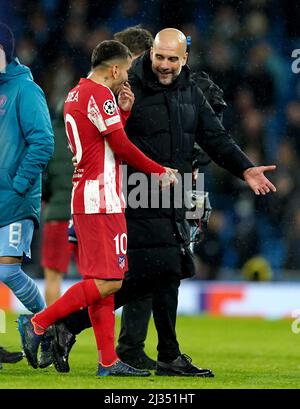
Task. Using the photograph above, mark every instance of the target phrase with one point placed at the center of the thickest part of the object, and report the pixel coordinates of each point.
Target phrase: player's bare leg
(53, 279)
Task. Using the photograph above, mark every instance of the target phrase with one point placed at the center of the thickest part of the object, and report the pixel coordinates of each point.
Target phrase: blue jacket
(26, 144)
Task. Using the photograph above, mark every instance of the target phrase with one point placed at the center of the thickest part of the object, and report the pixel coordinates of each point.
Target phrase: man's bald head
(170, 38)
(168, 55)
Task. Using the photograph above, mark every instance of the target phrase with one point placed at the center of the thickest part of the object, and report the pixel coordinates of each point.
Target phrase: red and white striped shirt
(90, 114)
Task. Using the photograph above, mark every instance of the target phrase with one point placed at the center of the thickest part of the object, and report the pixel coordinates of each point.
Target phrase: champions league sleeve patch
(109, 107)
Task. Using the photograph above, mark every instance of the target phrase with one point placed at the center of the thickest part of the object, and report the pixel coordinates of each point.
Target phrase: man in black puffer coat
(170, 113)
(165, 124)
(136, 314)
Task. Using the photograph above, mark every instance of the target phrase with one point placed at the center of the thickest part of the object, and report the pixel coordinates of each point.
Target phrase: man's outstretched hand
(257, 181)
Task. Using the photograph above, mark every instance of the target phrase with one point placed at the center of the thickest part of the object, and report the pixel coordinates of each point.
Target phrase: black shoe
(63, 340)
(119, 368)
(30, 341)
(46, 356)
(9, 357)
(181, 366)
(140, 361)
(46, 359)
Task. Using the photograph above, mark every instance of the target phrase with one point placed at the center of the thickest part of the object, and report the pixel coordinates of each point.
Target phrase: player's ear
(115, 71)
(185, 57)
(151, 53)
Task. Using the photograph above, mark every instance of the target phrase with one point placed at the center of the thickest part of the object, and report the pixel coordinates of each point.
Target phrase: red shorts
(56, 250)
(102, 245)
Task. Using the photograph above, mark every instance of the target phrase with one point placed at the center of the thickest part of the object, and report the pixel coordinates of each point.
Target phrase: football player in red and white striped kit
(94, 125)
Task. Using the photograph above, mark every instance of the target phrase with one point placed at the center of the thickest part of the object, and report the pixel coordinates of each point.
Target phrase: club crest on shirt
(109, 107)
(121, 261)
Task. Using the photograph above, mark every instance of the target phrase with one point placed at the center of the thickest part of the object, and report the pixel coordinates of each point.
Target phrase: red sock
(79, 296)
(102, 316)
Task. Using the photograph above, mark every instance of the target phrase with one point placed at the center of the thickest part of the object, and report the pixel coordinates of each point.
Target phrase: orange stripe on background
(5, 297)
(219, 294)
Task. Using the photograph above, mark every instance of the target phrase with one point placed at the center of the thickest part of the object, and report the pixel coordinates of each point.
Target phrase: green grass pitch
(243, 353)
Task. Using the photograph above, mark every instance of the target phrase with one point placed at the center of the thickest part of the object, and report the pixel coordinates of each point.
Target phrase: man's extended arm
(213, 138)
(223, 150)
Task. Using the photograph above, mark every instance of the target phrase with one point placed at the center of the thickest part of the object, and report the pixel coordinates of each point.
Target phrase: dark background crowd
(246, 47)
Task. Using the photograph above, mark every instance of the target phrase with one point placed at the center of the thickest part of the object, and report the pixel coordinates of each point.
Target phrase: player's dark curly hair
(109, 50)
(136, 38)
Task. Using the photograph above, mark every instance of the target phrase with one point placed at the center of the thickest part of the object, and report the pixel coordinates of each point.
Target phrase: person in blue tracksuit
(26, 145)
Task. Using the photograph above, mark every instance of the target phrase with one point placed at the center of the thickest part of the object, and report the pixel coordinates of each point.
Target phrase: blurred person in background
(257, 269)
(292, 260)
(220, 63)
(257, 78)
(127, 13)
(209, 251)
(293, 124)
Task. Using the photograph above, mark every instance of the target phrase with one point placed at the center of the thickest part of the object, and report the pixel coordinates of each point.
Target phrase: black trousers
(164, 304)
(164, 291)
(134, 327)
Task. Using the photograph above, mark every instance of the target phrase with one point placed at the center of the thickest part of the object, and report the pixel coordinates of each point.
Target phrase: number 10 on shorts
(121, 243)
